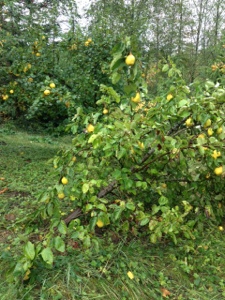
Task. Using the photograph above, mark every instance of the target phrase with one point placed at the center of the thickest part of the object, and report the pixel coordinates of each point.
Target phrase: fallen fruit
(130, 275)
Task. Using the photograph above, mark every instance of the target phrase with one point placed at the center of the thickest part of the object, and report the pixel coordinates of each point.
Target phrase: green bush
(138, 166)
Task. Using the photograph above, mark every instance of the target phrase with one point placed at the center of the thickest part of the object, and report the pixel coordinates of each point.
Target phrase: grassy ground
(192, 270)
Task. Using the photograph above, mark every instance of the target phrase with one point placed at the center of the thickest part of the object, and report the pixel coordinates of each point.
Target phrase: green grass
(192, 270)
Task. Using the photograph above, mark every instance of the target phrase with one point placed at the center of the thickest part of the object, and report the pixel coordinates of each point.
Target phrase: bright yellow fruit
(141, 145)
(99, 223)
(89, 40)
(38, 54)
(207, 123)
(130, 60)
(52, 85)
(86, 43)
(221, 228)
(130, 275)
(189, 122)
(105, 111)
(169, 97)
(90, 128)
(11, 91)
(46, 92)
(61, 195)
(210, 131)
(219, 130)
(137, 98)
(5, 97)
(216, 154)
(74, 158)
(201, 136)
(218, 171)
(30, 79)
(64, 180)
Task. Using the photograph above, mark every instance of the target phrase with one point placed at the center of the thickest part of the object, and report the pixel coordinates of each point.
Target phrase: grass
(192, 270)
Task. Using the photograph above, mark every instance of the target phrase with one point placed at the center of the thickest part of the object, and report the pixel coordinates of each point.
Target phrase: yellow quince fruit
(64, 180)
(207, 123)
(189, 122)
(169, 97)
(216, 154)
(130, 60)
(218, 171)
(137, 98)
(52, 85)
(210, 131)
(61, 195)
(46, 92)
(99, 223)
(90, 128)
(219, 130)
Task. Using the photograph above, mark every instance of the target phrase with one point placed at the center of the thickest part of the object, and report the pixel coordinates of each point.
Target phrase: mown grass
(191, 270)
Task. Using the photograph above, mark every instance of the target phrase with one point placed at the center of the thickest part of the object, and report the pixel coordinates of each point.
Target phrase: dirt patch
(17, 194)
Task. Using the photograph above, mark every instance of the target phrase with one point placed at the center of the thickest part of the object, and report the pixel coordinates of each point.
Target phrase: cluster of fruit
(88, 42)
(47, 91)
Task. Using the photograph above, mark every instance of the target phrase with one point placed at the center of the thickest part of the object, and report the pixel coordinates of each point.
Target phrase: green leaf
(144, 221)
(155, 209)
(115, 77)
(163, 200)
(29, 250)
(62, 227)
(130, 206)
(165, 68)
(182, 102)
(87, 242)
(85, 188)
(92, 138)
(59, 244)
(47, 256)
(88, 207)
(153, 238)
(92, 223)
(117, 62)
(117, 213)
(50, 209)
(131, 88)
(102, 207)
(122, 152)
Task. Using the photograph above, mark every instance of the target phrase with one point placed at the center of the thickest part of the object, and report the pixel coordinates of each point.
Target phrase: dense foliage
(146, 159)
